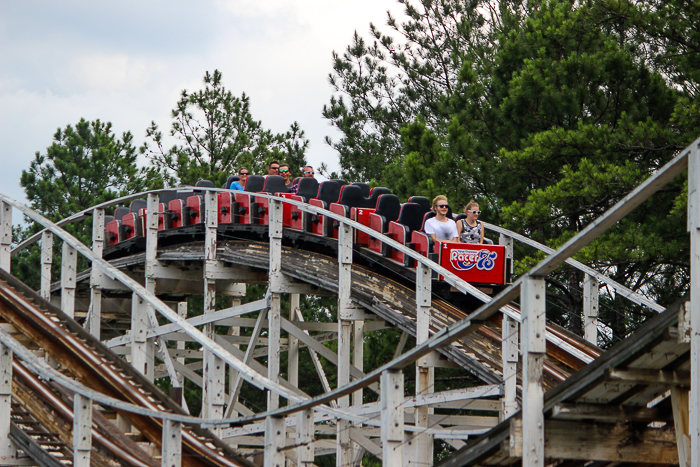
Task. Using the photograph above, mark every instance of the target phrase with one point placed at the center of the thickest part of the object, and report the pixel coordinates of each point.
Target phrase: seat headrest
(340, 182)
(376, 192)
(411, 215)
(351, 196)
(308, 188)
(328, 192)
(275, 184)
(422, 200)
(205, 184)
(255, 183)
(167, 196)
(138, 204)
(120, 212)
(388, 206)
(364, 187)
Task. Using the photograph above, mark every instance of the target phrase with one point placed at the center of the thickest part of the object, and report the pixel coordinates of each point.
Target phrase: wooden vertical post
(358, 356)
(345, 451)
(507, 241)
(274, 438)
(305, 437)
(392, 417)
(421, 446)
(82, 430)
(509, 354)
(5, 236)
(694, 229)
(590, 309)
(238, 292)
(172, 444)
(141, 357)
(69, 265)
(214, 367)
(274, 316)
(533, 341)
(7, 451)
(46, 262)
(95, 312)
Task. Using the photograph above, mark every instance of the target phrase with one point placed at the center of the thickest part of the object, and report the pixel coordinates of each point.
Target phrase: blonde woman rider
(470, 229)
(441, 227)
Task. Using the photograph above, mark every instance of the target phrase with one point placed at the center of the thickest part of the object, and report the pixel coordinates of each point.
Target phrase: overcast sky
(127, 62)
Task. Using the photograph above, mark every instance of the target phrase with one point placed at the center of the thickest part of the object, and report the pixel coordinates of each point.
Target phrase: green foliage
(382, 86)
(216, 134)
(84, 166)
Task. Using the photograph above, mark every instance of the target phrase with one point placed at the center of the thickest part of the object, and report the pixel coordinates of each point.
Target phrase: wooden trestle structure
(78, 359)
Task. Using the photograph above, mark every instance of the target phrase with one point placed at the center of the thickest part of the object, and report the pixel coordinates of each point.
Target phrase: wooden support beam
(345, 448)
(214, 367)
(141, 356)
(172, 444)
(82, 430)
(46, 262)
(681, 423)
(5, 236)
(591, 441)
(93, 323)
(274, 315)
(510, 355)
(420, 445)
(7, 451)
(644, 376)
(69, 265)
(392, 417)
(274, 438)
(305, 437)
(590, 309)
(600, 412)
(532, 297)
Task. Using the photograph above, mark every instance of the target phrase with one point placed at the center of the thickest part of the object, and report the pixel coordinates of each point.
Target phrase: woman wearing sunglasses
(284, 172)
(470, 229)
(441, 227)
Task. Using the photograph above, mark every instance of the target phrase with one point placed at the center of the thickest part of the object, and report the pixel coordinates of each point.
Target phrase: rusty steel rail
(98, 368)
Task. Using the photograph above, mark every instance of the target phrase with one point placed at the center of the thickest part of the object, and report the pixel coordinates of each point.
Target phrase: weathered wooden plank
(602, 442)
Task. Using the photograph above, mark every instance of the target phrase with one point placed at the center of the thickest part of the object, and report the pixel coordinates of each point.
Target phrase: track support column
(82, 430)
(214, 367)
(95, 312)
(69, 265)
(172, 444)
(7, 451)
(46, 262)
(590, 309)
(421, 446)
(274, 438)
(347, 314)
(532, 297)
(5, 236)
(392, 417)
(510, 355)
(274, 316)
(694, 229)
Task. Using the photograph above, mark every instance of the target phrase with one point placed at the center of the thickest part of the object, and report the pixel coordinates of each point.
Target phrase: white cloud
(128, 63)
(110, 73)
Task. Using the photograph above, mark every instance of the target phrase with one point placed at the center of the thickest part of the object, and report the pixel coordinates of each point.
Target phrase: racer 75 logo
(464, 260)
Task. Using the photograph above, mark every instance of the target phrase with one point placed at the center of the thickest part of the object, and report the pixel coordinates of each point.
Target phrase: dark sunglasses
(284, 171)
(474, 212)
(442, 206)
(242, 173)
(275, 168)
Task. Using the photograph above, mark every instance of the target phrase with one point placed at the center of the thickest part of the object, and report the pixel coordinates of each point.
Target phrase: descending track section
(77, 354)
